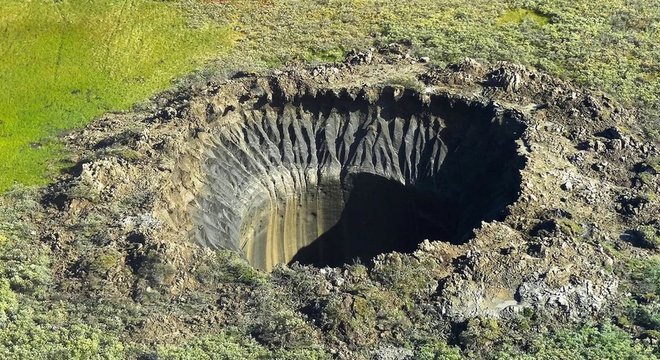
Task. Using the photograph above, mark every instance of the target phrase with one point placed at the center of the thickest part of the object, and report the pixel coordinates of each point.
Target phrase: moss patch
(518, 15)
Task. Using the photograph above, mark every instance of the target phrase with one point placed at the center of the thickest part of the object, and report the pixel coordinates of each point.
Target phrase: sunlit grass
(62, 63)
(519, 15)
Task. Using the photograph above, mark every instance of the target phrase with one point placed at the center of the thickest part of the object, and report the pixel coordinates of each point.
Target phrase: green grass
(519, 15)
(588, 342)
(63, 63)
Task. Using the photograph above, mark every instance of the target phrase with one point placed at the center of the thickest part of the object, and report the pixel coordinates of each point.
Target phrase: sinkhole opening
(372, 214)
(330, 179)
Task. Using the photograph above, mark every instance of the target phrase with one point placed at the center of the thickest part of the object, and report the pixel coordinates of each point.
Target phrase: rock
(600, 166)
(359, 58)
(508, 76)
(166, 114)
(628, 204)
(392, 353)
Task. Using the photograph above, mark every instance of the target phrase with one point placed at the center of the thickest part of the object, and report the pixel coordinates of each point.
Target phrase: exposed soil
(494, 187)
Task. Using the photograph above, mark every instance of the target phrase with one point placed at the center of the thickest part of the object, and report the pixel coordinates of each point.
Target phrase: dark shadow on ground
(380, 216)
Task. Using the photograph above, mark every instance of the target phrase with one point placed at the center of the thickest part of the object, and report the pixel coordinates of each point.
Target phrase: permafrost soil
(433, 195)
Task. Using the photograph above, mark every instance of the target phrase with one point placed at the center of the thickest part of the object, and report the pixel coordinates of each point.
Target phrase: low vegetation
(609, 45)
(65, 62)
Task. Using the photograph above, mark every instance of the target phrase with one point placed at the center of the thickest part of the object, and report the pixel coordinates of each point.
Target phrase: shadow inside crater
(381, 215)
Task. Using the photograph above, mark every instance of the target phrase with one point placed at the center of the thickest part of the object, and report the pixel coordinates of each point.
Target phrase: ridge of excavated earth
(537, 174)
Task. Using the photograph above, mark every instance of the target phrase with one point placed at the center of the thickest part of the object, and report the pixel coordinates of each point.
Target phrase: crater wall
(331, 178)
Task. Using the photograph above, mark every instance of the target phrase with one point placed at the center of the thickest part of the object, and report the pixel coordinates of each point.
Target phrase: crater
(337, 176)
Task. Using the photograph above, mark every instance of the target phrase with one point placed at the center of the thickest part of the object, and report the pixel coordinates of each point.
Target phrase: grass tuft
(518, 15)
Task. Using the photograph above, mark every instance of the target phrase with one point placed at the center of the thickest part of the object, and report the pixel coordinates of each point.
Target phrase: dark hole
(60, 201)
(136, 255)
(381, 215)
(544, 228)
(535, 250)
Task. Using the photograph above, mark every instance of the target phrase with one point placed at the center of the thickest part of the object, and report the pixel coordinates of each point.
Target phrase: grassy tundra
(65, 62)
(62, 63)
